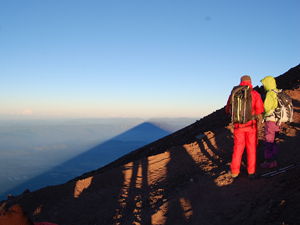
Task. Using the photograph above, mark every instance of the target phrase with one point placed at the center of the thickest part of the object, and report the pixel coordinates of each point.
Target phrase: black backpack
(285, 110)
(241, 105)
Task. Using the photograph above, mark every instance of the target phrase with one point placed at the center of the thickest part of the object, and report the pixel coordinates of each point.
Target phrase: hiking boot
(233, 175)
(269, 164)
(253, 176)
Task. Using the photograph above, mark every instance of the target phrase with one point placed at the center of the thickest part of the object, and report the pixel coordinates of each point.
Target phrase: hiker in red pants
(245, 134)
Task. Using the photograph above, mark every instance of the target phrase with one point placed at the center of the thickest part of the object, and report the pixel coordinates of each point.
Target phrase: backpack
(241, 104)
(285, 110)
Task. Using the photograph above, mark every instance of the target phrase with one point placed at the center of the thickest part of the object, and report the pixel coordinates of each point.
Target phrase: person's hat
(246, 77)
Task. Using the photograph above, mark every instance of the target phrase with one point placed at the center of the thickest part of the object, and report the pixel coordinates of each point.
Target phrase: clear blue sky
(152, 58)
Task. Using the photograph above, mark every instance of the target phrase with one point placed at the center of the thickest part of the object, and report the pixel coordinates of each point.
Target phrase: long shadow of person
(209, 145)
(179, 208)
(135, 194)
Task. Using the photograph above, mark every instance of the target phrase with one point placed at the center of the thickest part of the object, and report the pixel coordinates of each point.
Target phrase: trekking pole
(282, 170)
(276, 171)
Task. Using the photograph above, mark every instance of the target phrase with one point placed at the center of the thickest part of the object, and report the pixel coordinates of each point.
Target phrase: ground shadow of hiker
(135, 194)
(180, 208)
(217, 146)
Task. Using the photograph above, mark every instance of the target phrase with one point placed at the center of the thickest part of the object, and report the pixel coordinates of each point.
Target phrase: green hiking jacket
(270, 102)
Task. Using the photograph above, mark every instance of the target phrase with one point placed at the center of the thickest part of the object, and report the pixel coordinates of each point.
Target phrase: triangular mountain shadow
(94, 158)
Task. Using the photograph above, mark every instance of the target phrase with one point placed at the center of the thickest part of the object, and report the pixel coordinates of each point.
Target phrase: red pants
(245, 135)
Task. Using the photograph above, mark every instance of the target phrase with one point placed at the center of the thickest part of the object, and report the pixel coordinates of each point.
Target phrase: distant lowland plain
(39, 153)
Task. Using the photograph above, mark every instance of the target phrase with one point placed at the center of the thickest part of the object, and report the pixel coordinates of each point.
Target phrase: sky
(134, 58)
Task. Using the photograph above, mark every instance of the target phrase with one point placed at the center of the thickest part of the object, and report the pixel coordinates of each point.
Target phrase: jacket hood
(269, 83)
(246, 82)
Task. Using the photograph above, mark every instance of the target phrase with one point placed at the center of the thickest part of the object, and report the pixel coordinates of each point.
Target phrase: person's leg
(251, 145)
(275, 149)
(269, 140)
(238, 149)
(271, 130)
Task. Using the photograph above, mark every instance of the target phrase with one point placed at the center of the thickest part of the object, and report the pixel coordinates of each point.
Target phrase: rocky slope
(181, 179)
